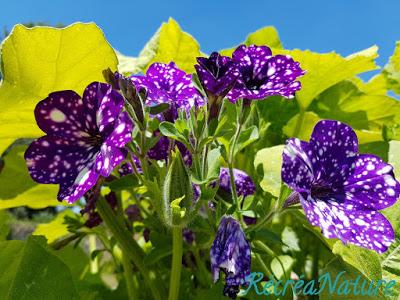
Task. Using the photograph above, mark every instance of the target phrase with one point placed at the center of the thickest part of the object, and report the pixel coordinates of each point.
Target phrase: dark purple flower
(230, 253)
(217, 74)
(165, 83)
(93, 217)
(85, 139)
(125, 169)
(244, 184)
(264, 75)
(188, 236)
(146, 234)
(340, 190)
(133, 213)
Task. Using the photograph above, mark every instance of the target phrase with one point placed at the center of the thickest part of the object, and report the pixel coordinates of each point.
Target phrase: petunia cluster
(86, 138)
(252, 73)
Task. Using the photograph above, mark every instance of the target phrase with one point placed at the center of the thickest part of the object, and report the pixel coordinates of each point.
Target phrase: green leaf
(54, 229)
(177, 185)
(270, 160)
(339, 269)
(364, 260)
(4, 225)
(392, 70)
(267, 36)
(29, 270)
(394, 157)
(18, 188)
(347, 103)
(247, 136)
(168, 129)
(170, 43)
(159, 108)
(311, 118)
(325, 70)
(282, 266)
(213, 163)
(37, 61)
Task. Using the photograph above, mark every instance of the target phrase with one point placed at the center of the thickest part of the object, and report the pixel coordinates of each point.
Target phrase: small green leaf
(270, 160)
(159, 108)
(282, 266)
(177, 189)
(54, 229)
(247, 136)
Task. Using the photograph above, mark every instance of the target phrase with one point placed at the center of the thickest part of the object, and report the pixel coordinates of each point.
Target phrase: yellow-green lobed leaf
(37, 61)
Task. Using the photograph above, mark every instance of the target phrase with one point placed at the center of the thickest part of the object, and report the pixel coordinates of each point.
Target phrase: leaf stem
(177, 252)
(128, 274)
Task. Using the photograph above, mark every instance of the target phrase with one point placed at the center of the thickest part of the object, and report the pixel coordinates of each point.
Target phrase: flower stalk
(177, 252)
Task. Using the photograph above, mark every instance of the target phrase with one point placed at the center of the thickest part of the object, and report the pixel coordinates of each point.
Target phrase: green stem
(230, 162)
(263, 266)
(127, 243)
(177, 252)
(94, 263)
(128, 274)
(204, 275)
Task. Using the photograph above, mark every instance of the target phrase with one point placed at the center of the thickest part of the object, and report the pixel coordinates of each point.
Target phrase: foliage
(82, 262)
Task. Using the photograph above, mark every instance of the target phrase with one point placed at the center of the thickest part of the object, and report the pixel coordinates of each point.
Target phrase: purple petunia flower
(133, 213)
(165, 83)
(217, 74)
(264, 75)
(85, 139)
(244, 184)
(340, 190)
(230, 253)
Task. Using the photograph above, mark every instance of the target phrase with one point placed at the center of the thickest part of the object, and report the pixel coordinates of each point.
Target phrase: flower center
(321, 191)
(95, 139)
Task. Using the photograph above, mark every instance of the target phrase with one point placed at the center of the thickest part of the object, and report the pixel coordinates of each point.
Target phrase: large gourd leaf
(18, 188)
(171, 44)
(29, 270)
(37, 61)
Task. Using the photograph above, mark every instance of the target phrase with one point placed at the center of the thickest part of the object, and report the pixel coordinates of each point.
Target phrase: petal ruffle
(52, 159)
(63, 114)
(372, 184)
(335, 146)
(297, 166)
(350, 223)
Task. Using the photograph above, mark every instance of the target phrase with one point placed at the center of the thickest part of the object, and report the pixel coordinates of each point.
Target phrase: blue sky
(345, 26)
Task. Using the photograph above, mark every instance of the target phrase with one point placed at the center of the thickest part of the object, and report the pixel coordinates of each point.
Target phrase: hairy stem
(177, 252)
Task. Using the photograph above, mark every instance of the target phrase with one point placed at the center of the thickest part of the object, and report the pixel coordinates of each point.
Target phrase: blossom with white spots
(230, 253)
(165, 83)
(244, 184)
(341, 190)
(263, 75)
(85, 139)
(217, 74)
